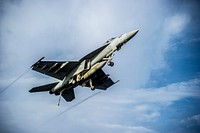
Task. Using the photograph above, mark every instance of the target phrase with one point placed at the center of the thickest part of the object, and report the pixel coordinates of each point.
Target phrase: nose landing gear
(109, 60)
(110, 63)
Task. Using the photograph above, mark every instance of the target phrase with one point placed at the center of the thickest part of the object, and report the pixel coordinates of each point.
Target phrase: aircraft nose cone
(132, 33)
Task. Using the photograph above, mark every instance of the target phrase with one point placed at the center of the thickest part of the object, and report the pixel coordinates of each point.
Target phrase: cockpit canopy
(109, 40)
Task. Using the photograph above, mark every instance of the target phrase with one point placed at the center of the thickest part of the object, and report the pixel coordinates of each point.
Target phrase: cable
(59, 100)
(68, 109)
(14, 81)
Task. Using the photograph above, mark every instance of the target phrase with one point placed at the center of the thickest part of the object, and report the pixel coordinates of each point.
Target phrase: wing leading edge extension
(56, 69)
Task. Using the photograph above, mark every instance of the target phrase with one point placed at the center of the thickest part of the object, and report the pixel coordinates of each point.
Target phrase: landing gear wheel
(111, 64)
(50, 92)
(92, 88)
(91, 85)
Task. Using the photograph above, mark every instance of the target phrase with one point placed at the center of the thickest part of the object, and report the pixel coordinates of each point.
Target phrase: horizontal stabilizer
(43, 88)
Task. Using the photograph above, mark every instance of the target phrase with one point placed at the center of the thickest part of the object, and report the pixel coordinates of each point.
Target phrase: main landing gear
(91, 85)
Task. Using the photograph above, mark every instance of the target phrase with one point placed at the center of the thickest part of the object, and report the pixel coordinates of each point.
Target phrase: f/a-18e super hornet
(86, 72)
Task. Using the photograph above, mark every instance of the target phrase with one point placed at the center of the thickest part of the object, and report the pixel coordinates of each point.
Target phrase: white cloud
(144, 105)
(191, 121)
(176, 24)
(68, 30)
(129, 129)
(122, 110)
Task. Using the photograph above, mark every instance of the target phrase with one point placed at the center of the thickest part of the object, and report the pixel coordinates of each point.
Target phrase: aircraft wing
(54, 69)
(100, 80)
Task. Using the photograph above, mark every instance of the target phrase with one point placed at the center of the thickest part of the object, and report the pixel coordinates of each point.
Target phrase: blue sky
(159, 69)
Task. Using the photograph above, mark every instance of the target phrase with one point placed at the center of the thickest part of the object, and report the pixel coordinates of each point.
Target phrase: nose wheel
(110, 63)
(109, 60)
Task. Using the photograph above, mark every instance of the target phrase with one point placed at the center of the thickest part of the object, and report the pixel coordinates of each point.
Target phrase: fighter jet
(87, 72)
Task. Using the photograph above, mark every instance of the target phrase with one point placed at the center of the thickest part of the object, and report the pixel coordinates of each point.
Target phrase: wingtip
(30, 91)
(37, 61)
(116, 81)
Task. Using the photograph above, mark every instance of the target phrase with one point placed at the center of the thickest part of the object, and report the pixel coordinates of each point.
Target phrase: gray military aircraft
(86, 72)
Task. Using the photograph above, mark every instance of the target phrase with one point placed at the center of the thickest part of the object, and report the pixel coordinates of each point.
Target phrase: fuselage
(86, 68)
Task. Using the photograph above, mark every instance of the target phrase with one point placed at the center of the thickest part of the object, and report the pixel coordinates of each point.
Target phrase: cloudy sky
(159, 69)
